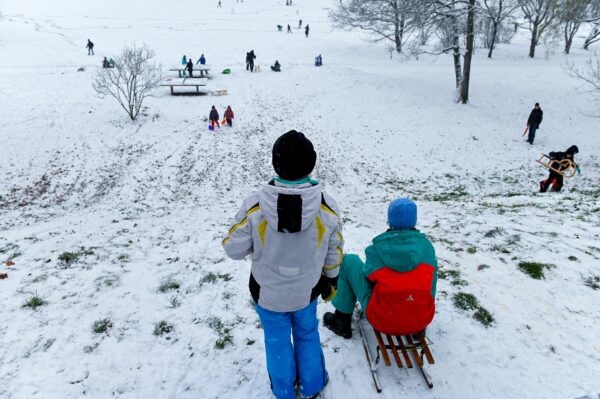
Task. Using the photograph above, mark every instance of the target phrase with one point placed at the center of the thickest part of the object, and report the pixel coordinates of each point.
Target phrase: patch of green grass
(535, 269)
(162, 327)
(456, 194)
(499, 249)
(211, 277)
(464, 301)
(123, 258)
(102, 325)
(445, 273)
(34, 302)
(225, 338)
(593, 282)
(471, 250)
(494, 232)
(483, 316)
(168, 285)
(70, 257)
(459, 283)
(573, 258)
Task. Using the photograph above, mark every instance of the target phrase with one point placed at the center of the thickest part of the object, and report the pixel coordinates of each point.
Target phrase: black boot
(338, 322)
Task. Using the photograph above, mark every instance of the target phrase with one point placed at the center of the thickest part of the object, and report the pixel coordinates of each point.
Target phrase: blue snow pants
(301, 361)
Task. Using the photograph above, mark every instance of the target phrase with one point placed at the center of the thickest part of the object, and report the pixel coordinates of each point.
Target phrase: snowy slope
(153, 199)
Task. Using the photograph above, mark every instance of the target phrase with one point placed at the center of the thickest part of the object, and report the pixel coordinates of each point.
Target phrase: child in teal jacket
(396, 285)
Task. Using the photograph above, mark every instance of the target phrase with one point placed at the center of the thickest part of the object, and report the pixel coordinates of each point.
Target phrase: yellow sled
(565, 168)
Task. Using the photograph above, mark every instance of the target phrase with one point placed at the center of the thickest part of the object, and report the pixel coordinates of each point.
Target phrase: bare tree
(497, 11)
(540, 14)
(588, 74)
(131, 80)
(572, 13)
(386, 19)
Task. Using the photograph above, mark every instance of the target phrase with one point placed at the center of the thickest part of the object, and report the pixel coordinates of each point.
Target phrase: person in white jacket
(293, 231)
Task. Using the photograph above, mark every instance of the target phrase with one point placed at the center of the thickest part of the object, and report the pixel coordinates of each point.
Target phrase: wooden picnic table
(182, 71)
(185, 82)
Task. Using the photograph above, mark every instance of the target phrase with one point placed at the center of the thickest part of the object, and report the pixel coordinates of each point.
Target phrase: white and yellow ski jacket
(294, 233)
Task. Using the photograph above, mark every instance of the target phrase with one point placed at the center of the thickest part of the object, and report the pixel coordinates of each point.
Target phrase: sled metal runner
(415, 345)
(565, 167)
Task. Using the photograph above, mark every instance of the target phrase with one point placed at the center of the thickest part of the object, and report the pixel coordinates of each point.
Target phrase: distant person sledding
(276, 67)
(214, 118)
(90, 47)
(201, 60)
(318, 60)
(250, 57)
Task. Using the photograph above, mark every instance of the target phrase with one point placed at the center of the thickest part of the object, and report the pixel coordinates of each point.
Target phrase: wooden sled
(219, 92)
(565, 168)
(415, 345)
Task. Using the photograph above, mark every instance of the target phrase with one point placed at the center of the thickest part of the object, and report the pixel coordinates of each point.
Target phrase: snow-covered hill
(143, 206)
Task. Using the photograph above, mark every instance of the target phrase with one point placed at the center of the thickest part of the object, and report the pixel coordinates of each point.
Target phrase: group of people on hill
(214, 117)
(557, 167)
(289, 28)
(189, 64)
(293, 231)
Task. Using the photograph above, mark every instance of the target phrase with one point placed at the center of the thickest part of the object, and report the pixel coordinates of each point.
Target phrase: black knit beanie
(572, 150)
(293, 156)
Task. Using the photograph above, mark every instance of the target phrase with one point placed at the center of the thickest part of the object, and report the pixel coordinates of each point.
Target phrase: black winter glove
(328, 287)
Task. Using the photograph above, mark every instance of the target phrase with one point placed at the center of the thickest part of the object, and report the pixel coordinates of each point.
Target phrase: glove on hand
(328, 287)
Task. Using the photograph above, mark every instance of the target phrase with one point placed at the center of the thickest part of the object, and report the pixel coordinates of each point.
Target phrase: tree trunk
(398, 27)
(570, 31)
(464, 90)
(494, 32)
(456, 52)
(534, 33)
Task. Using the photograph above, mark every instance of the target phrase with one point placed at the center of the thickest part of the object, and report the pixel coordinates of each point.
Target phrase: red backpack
(401, 302)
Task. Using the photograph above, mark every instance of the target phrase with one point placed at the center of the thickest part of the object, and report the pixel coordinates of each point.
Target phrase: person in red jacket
(229, 116)
(396, 285)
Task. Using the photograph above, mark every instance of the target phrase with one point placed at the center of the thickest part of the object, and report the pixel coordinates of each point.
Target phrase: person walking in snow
(400, 263)
(289, 30)
(219, 5)
(250, 57)
(190, 67)
(184, 61)
(292, 229)
(279, 28)
(306, 29)
(229, 116)
(533, 122)
(214, 118)
(300, 24)
(105, 63)
(201, 60)
(90, 47)
(554, 178)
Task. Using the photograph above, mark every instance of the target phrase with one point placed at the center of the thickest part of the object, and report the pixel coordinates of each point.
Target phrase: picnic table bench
(182, 71)
(185, 82)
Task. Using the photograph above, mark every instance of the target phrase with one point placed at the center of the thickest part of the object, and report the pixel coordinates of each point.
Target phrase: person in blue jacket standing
(201, 60)
(184, 61)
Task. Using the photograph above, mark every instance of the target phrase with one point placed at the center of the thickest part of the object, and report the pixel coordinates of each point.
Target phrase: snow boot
(338, 322)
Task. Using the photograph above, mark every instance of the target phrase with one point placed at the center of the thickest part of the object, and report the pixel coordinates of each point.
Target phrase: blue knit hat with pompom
(402, 214)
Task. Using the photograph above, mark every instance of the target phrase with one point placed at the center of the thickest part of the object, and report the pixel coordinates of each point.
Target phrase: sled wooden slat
(414, 351)
(394, 351)
(386, 357)
(425, 347)
(404, 352)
